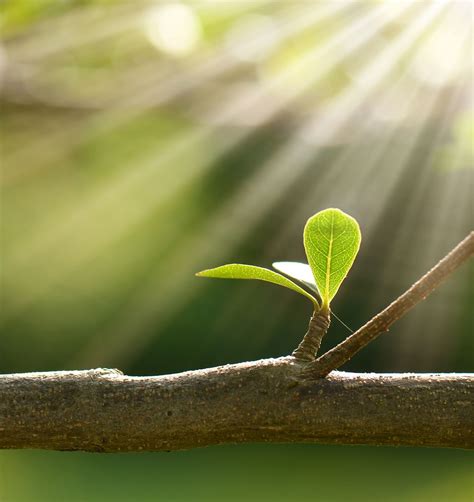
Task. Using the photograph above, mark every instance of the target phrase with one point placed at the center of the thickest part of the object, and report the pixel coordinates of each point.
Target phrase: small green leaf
(331, 240)
(303, 273)
(238, 271)
(300, 271)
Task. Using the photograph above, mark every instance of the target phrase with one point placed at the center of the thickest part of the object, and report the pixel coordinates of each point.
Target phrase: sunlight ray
(256, 196)
(415, 202)
(349, 102)
(428, 339)
(163, 89)
(453, 194)
(93, 24)
(345, 160)
(112, 191)
(373, 77)
(291, 24)
(345, 43)
(248, 208)
(402, 251)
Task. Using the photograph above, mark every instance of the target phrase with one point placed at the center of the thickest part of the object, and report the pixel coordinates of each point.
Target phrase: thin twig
(379, 324)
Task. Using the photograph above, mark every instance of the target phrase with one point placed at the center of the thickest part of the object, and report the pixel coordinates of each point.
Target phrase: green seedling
(331, 241)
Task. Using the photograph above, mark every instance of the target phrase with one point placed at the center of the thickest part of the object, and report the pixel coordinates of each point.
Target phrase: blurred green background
(144, 141)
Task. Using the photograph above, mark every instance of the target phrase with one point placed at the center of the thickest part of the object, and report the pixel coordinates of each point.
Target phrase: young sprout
(331, 241)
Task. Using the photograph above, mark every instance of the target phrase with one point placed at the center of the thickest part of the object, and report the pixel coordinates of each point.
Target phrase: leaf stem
(379, 324)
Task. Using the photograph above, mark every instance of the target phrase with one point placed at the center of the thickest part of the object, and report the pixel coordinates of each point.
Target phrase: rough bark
(265, 401)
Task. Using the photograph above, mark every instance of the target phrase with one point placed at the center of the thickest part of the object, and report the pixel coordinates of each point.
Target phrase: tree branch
(379, 324)
(272, 400)
(266, 401)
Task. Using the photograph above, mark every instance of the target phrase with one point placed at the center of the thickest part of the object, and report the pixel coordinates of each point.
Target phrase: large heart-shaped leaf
(239, 271)
(331, 240)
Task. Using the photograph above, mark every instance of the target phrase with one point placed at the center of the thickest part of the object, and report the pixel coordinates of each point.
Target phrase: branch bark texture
(265, 401)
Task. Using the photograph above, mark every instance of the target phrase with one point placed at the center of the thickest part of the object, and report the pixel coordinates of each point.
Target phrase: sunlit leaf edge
(242, 271)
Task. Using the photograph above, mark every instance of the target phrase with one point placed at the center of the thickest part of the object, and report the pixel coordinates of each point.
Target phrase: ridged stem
(317, 328)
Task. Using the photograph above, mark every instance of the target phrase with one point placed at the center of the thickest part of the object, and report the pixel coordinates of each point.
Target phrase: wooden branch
(379, 324)
(272, 400)
(265, 401)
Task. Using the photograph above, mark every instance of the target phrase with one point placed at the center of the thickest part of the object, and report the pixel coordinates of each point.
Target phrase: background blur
(144, 141)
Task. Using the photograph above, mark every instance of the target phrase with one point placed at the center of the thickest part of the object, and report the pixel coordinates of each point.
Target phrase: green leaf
(238, 271)
(300, 271)
(331, 240)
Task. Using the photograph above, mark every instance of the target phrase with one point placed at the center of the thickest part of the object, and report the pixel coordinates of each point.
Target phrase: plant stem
(317, 328)
(379, 324)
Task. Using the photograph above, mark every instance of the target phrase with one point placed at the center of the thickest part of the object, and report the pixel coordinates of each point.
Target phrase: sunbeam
(133, 158)
(363, 179)
(281, 170)
(169, 183)
(149, 88)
